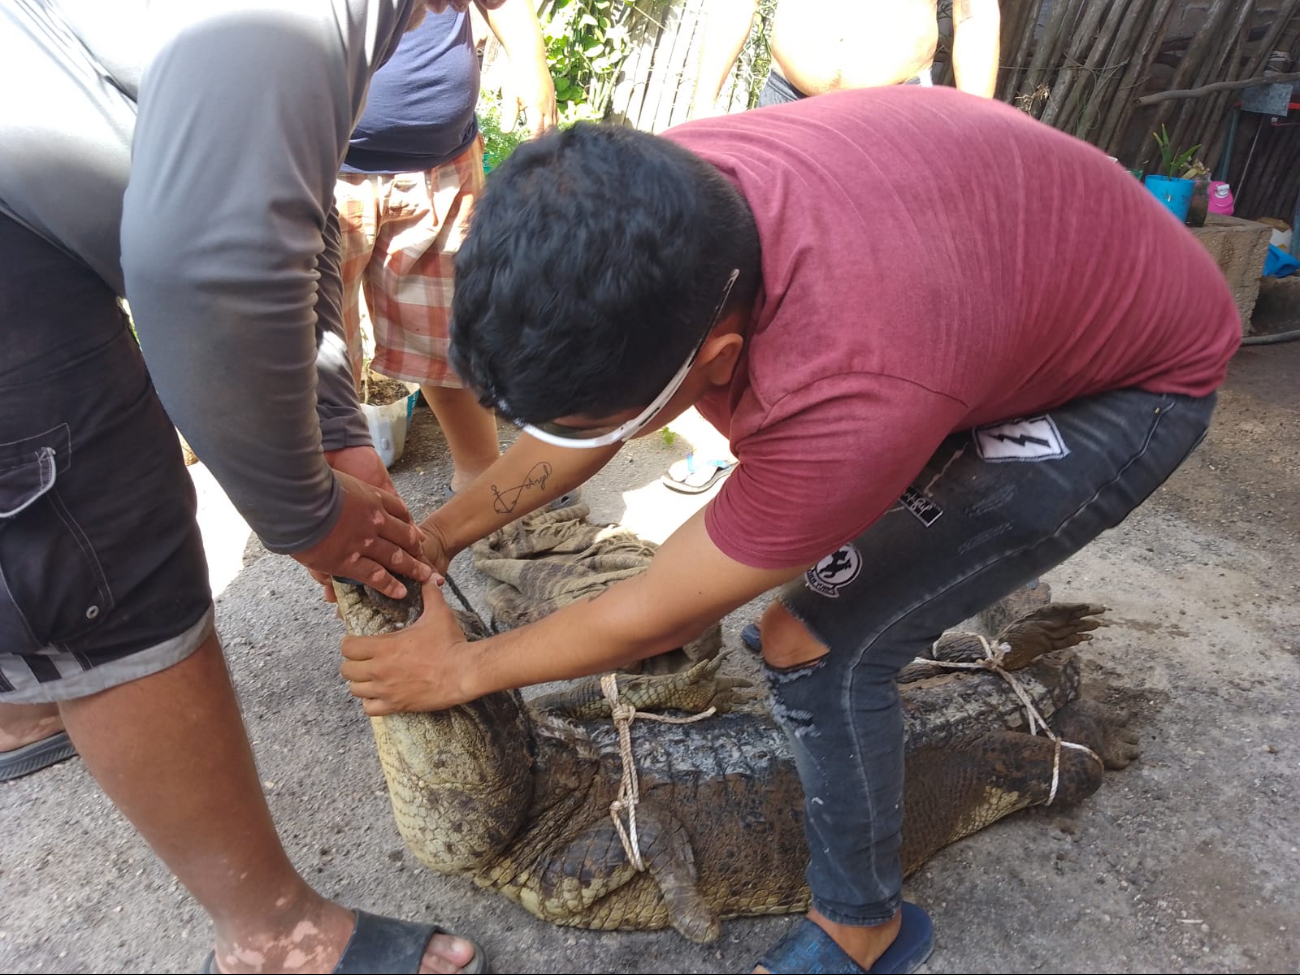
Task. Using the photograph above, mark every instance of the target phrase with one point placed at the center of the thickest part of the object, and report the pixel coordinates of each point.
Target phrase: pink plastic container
(1220, 198)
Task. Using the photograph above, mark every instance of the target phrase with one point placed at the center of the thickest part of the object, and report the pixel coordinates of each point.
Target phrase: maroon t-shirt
(932, 261)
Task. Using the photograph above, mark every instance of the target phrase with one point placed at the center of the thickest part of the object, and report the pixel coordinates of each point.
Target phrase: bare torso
(824, 45)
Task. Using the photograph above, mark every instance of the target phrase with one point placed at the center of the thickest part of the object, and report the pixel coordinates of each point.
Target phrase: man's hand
(363, 463)
(373, 538)
(424, 667)
(531, 91)
(528, 82)
(429, 665)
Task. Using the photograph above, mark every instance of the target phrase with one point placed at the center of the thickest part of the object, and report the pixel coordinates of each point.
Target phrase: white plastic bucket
(388, 427)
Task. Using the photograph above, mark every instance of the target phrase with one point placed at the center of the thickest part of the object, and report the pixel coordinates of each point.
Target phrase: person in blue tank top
(412, 172)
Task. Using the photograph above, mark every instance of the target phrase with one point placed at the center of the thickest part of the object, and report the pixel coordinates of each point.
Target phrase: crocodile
(516, 795)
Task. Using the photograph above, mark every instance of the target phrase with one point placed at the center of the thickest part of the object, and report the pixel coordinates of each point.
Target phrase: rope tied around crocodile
(995, 661)
(629, 788)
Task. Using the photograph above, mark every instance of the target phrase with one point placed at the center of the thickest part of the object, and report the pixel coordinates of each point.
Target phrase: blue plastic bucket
(1175, 194)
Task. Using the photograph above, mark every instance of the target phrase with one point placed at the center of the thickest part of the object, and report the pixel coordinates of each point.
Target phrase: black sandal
(384, 944)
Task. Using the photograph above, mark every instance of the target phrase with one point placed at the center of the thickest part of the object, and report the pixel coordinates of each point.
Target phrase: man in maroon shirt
(949, 345)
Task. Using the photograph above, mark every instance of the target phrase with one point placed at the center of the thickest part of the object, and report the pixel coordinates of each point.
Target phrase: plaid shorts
(400, 234)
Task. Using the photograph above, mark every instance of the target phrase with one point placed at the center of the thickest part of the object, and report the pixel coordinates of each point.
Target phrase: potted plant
(1199, 208)
(1170, 185)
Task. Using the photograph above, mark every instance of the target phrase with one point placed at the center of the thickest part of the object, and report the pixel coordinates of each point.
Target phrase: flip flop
(36, 756)
(566, 500)
(383, 944)
(810, 950)
(688, 477)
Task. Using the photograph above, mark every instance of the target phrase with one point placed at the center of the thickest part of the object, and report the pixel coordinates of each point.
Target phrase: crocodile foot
(696, 689)
(1055, 626)
(693, 690)
(1105, 731)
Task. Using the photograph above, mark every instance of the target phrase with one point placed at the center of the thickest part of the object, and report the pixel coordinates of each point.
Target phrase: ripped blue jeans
(992, 509)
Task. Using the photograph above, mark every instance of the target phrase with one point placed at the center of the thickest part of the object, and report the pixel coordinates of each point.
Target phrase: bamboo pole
(1198, 113)
(1016, 65)
(1285, 23)
(1015, 14)
(686, 89)
(1091, 75)
(651, 16)
(1277, 196)
(1258, 179)
(1122, 52)
(669, 36)
(1150, 37)
(1290, 40)
(1219, 63)
(1085, 37)
(1047, 51)
(1270, 190)
(626, 85)
(675, 71)
(1282, 196)
(1162, 96)
(1189, 64)
(1285, 13)
(1285, 16)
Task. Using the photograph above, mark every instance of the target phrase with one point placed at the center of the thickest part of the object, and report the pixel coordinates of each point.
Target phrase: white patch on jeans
(1033, 438)
(834, 572)
(923, 509)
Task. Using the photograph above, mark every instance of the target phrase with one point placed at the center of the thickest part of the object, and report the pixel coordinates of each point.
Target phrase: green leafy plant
(586, 43)
(497, 145)
(1173, 164)
(669, 436)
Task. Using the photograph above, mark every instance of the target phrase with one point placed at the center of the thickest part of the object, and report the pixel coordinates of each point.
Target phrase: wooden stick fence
(1087, 67)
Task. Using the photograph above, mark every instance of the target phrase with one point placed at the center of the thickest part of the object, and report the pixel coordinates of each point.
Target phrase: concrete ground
(1186, 862)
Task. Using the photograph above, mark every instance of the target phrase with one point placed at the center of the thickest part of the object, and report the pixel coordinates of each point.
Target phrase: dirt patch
(379, 390)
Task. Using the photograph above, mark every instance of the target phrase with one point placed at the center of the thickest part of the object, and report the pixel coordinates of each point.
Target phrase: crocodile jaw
(461, 780)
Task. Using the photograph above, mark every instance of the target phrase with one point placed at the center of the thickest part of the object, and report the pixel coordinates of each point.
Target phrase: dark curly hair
(594, 260)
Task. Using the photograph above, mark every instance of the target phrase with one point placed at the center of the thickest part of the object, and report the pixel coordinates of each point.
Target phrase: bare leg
(471, 432)
(171, 752)
(22, 724)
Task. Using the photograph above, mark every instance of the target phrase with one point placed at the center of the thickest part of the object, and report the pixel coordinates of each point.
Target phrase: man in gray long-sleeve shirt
(183, 155)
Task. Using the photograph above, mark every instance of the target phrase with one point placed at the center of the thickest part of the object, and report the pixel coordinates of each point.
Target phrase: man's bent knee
(786, 641)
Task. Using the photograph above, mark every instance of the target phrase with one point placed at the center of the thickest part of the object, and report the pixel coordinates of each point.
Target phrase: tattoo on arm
(962, 10)
(504, 502)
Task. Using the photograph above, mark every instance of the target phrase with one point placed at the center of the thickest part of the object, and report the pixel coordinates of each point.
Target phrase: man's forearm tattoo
(504, 502)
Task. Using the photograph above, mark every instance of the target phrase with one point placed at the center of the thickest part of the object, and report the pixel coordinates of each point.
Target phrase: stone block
(1239, 247)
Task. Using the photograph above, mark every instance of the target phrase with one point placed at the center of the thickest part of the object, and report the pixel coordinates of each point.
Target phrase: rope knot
(995, 657)
(629, 787)
(621, 711)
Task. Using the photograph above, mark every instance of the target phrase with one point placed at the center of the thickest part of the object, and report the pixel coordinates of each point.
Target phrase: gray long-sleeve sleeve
(236, 115)
(241, 124)
(341, 422)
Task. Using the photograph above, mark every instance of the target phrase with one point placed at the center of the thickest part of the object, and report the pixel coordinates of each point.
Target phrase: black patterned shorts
(102, 574)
